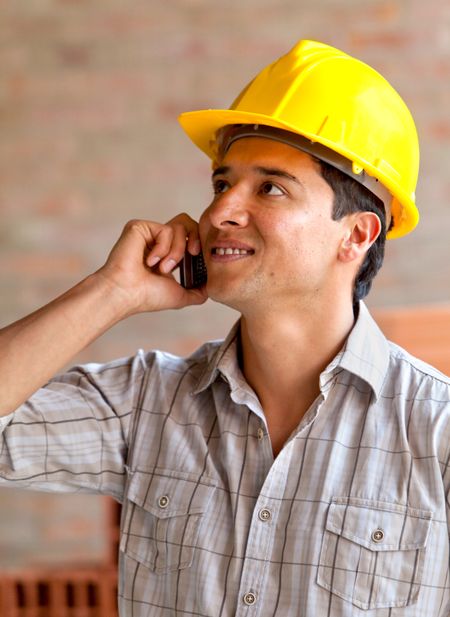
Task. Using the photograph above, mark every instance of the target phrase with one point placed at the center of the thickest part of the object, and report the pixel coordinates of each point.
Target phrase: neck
(283, 353)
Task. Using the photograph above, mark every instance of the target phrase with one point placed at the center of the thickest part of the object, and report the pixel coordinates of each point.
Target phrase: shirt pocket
(165, 510)
(373, 552)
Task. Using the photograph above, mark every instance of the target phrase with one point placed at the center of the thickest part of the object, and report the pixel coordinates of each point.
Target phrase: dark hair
(350, 196)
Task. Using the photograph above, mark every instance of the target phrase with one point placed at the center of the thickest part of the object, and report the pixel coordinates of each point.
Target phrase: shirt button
(250, 598)
(378, 535)
(163, 501)
(260, 434)
(265, 515)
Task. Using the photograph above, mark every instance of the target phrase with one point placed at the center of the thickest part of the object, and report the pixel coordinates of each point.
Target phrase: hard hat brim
(201, 127)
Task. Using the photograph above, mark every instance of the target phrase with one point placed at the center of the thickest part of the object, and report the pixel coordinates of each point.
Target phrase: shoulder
(404, 364)
(418, 393)
(192, 367)
(127, 375)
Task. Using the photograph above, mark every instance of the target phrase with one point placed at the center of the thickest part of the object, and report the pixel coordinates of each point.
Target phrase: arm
(135, 278)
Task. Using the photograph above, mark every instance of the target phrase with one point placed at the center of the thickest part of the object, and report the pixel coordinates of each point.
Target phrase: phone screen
(192, 271)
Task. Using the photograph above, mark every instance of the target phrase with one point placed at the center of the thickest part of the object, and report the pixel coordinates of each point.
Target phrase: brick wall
(89, 94)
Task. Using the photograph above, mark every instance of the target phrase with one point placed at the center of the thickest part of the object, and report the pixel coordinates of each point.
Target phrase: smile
(231, 251)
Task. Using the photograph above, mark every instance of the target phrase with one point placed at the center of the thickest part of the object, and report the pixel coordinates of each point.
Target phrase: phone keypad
(199, 271)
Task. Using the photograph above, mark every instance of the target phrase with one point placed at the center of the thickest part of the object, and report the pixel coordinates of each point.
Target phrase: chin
(224, 293)
(239, 298)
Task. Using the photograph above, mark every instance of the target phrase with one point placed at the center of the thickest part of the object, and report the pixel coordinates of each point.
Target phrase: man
(301, 467)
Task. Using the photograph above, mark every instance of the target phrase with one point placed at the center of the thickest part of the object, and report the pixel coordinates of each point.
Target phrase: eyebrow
(264, 171)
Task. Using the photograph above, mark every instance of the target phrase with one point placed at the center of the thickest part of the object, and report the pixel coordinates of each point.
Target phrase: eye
(220, 186)
(269, 188)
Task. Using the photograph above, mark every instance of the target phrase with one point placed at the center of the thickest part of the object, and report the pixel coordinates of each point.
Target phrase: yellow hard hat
(336, 101)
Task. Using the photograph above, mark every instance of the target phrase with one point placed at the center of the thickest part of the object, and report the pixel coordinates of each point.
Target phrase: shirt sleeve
(72, 434)
(447, 494)
(444, 458)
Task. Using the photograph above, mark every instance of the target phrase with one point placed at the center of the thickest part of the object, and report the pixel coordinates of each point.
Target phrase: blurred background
(89, 97)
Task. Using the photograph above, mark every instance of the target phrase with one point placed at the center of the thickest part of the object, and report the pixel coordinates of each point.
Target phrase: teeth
(230, 251)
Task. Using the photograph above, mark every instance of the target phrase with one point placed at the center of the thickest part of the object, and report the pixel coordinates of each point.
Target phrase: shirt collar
(365, 354)
(224, 361)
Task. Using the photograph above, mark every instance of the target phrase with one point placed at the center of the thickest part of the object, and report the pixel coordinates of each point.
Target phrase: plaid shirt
(351, 518)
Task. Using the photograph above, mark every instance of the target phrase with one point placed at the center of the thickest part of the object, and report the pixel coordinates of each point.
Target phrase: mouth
(219, 250)
(229, 253)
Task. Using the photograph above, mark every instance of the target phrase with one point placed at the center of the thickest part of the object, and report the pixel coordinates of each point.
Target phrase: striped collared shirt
(351, 518)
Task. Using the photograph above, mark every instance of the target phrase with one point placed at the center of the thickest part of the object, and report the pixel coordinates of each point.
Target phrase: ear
(362, 230)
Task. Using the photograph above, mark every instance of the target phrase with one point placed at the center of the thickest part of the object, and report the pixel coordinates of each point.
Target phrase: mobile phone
(192, 271)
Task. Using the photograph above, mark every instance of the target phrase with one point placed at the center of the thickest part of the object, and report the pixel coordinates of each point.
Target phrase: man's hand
(141, 263)
(135, 278)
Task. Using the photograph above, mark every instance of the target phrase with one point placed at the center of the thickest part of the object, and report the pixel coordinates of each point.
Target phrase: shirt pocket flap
(379, 526)
(167, 493)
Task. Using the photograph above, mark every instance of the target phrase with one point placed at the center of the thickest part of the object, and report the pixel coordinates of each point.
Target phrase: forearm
(33, 349)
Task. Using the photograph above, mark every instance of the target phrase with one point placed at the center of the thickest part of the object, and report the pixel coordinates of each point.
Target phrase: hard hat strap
(227, 135)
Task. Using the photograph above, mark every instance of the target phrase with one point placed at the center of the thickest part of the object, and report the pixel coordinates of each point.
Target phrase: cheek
(295, 237)
(308, 240)
(203, 226)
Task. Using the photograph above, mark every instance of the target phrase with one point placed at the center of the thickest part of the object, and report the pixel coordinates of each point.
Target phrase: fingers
(193, 244)
(141, 262)
(177, 248)
(191, 234)
(172, 241)
(160, 246)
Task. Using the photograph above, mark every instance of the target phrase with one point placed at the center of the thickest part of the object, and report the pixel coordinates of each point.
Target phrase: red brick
(387, 40)
(41, 265)
(386, 12)
(440, 130)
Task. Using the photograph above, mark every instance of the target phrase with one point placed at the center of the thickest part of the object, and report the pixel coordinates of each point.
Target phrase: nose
(228, 210)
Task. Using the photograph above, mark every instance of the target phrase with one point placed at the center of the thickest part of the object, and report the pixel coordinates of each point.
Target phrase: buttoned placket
(262, 534)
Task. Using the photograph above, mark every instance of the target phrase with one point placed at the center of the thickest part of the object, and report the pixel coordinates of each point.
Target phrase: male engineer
(301, 466)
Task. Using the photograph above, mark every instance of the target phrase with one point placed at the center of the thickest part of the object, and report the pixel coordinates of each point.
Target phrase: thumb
(198, 295)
